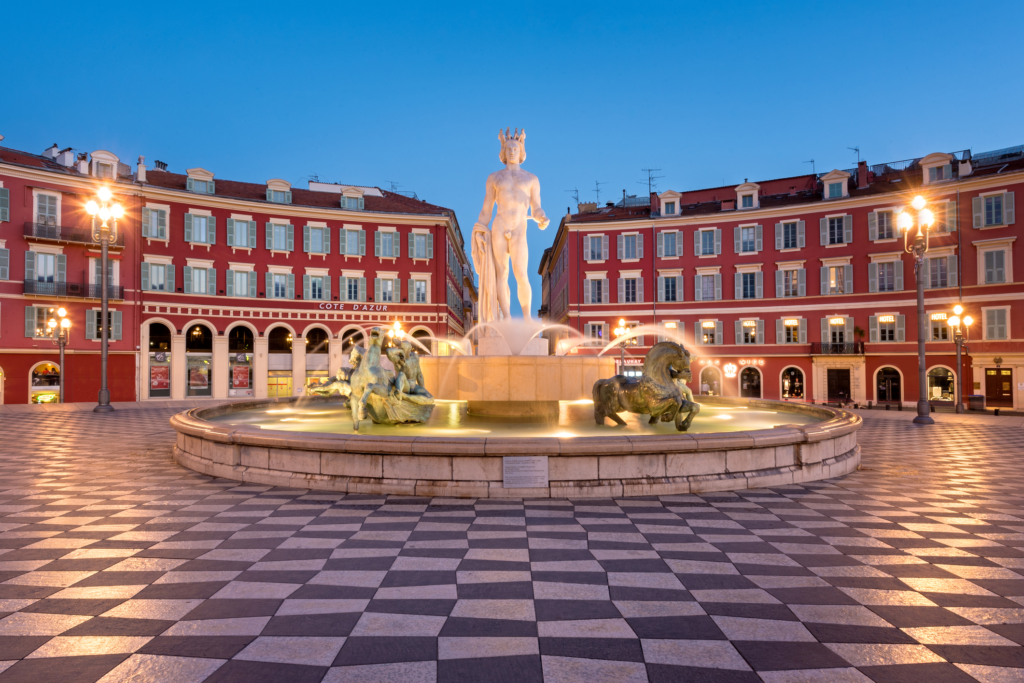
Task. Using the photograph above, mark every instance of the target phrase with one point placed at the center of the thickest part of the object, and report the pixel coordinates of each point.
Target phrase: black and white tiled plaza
(118, 565)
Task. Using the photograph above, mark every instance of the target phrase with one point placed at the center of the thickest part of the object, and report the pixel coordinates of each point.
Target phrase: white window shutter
(738, 286)
(978, 211)
(718, 286)
(779, 331)
(824, 280)
(739, 332)
(778, 236)
(847, 229)
(872, 226)
(229, 287)
(719, 338)
(718, 240)
(759, 285)
(1008, 208)
(661, 245)
(873, 328)
(698, 293)
(951, 265)
(376, 243)
(759, 238)
(823, 224)
(899, 275)
(639, 290)
(848, 330)
(760, 332)
(622, 290)
(696, 243)
(901, 328)
(231, 232)
(606, 293)
(951, 216)
(824, 331)
(640, 245)
(737, 244)
(872, 276)
(803, 331)
(661, 287)
(778, 284)
(305, 287)
(848, 271)
(802, 282)
(800, 241)
(618, 241)
(679, 289)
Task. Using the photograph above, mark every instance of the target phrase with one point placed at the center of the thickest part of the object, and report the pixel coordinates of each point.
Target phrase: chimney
(83, 163)
(862, 175)
(141, 175)
(587, 207)
(66, 158)
(160, 165)
(728, 205)
(52, 152)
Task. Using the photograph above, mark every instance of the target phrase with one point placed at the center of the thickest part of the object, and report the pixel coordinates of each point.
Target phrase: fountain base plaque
(524, 472)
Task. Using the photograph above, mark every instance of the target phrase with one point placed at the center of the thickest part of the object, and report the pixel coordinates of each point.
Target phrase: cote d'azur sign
(355, 307)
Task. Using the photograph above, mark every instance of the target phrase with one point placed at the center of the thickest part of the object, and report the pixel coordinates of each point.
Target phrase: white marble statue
(515, 192)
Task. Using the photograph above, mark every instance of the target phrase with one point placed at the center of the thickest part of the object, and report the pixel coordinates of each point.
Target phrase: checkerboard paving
(118, 565)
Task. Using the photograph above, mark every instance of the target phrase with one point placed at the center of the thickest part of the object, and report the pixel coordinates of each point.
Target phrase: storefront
(889, 385)
(159, 361)
(750, 382)
(44, 386)
(199, 361)
(792, 383)
(317, 343)
(279, 365)
(240, 362)
(941, 386)
(711, 381)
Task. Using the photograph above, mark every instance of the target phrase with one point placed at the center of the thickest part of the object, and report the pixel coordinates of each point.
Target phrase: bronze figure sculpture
(657, 393)
(384, 397)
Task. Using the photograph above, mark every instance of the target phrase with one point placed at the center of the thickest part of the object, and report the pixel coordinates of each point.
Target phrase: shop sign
(938, 316)
(837, 321)
(709, 361)
(751, 361)
(239, 376)
(159, 377)
(730, 370)
(355, 307)
(886, 318)
(633, 361)
(160, 356)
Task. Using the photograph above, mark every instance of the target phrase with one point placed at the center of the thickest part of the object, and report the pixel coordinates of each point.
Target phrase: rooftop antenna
(394, 186)
(811, 162)
(652, 180)
(857, 150)
(575, 195)
(597, 191)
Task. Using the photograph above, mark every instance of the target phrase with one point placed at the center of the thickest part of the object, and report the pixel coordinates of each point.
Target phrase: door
(889, 390)
(998, 388)
(750, 383)
(838, 384)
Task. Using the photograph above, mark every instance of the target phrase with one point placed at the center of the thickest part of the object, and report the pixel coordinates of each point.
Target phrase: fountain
(511, 421)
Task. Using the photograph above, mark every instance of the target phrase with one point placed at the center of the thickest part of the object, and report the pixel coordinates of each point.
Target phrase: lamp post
(396, 334)
(59, 333)
(619, 332)
(961, 329)
(918, 248)
(105, 235)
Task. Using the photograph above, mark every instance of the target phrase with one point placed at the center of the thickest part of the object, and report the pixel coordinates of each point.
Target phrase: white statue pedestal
(497, 346)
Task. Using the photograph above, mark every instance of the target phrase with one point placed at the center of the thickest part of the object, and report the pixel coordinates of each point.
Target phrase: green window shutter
(953, 277)
(327, 240)
(718, 240)
(376, 243)
(188, 227)
(412, 245)
(145, 276)
(823, 226)
(30, 321)
(305, 239)
(146, 218)
(290, 233)
(229, 276)
(211, 231)
(291, 286)
(210, 187)
(398, 290)
(342, 241)
(30, 265)
(211, 281)
(899, 276)
(411, 291)
(190, 185)
(901, 328)
(5, 204)
(362, 289)
(186, 275)
(270, 194)
(1008, 208)
(62, 268)
(305, 287)
(169, 276)
(231, 232)
(362, 203)
(115, 323)
(288, 197)
(5, 264)
(872, 277)
(342, 288)
(362, 243)
(396, 243)
(251, 280)
(327, 287)
(978, 211)
(161, 224)
(430, 245)
(268, 279)
(90, 324)
(269, 227)
(252, 235)
(376, 289)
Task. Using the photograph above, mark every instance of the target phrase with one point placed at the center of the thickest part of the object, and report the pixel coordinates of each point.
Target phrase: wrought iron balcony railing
(65, 233)
(829, 349)
(81, 290)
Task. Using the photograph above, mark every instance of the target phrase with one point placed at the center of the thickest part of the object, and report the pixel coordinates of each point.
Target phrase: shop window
(45, 386)
(711, 382)
(750, 383)
(889, 386)
(941, 385)
(792, 383)
(159, 361)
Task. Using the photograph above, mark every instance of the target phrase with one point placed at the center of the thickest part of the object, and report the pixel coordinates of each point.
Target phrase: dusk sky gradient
(710, 93)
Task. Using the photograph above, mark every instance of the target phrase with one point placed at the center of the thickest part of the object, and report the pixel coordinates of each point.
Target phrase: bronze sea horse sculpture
(656, 393)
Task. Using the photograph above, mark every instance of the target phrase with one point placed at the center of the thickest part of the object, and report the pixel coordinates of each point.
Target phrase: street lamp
(396, 334)
(105, 235)
(961, 329)
(59, 333)
(619, 332)
(918, 248)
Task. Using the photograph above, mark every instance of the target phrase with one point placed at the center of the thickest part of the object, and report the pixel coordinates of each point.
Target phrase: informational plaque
(524, 472)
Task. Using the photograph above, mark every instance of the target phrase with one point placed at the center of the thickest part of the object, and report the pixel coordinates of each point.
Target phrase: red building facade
(219, 288)
(799, 288)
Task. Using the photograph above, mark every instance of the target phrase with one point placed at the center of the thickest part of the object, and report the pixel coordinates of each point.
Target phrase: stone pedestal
(497, 346)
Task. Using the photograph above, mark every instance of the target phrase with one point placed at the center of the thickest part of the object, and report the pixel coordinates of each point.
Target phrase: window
(748, 285)
(280, 283)
(748, 239)
(105, 171)
(669, 244)
(279, 196)
(46, 209)
(317, 243)
(707, 333)
(316, 287)
(789, 236)
(887, 328)
(939, 173)
(157, 277)
(835, 230)
(595, 248)
(46, 267)
(199, 228)
(419, 243)
(353, 289)
(836, 279)
(241, 234)
(199, 280)
(200, 186)
(887, 276)
(838, 334)
(707, 287)
(995, 267)
(707, 242)
(36, 318)
(669, 283)
(994, 210)
(791, 283)
(278, 240)
(995, 323)
(596, 291)
(749, 335)
(154, 223)
(596, 331)
(747, 201)
(352, 245)
(940, 330)
(937, 272)
(835, 190)
(420, 291)
(885, 225)
(629, 247)
(387, 244)
(629, 290)
(792, 331)
(670, 208)
(387, 290)
(94, 330)
(352, 203)
(242, 283)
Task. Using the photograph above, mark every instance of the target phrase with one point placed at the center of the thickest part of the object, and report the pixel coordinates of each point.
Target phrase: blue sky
(710, 93)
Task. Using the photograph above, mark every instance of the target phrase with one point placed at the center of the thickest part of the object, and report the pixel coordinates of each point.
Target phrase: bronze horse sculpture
(656, 393)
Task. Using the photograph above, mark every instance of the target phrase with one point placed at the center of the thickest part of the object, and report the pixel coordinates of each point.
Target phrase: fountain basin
(616, 464)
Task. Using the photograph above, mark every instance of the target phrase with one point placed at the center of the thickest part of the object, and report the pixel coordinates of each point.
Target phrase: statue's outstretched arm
(537, 212)
(485, 214)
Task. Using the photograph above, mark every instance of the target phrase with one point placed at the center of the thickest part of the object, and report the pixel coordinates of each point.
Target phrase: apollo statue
(516, 192)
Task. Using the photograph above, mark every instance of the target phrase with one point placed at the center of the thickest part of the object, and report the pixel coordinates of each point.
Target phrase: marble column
(220, 367)
(260, 367)
(179, 367)
(298, 365)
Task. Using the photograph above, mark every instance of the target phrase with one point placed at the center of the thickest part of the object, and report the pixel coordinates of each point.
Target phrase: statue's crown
(517, 136)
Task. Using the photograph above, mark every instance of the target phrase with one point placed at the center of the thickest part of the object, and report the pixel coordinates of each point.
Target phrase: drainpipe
(654, 271)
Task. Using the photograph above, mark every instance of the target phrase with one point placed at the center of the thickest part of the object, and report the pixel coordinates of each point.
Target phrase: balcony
(64, 233)
(78, 290)
(848, 349)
